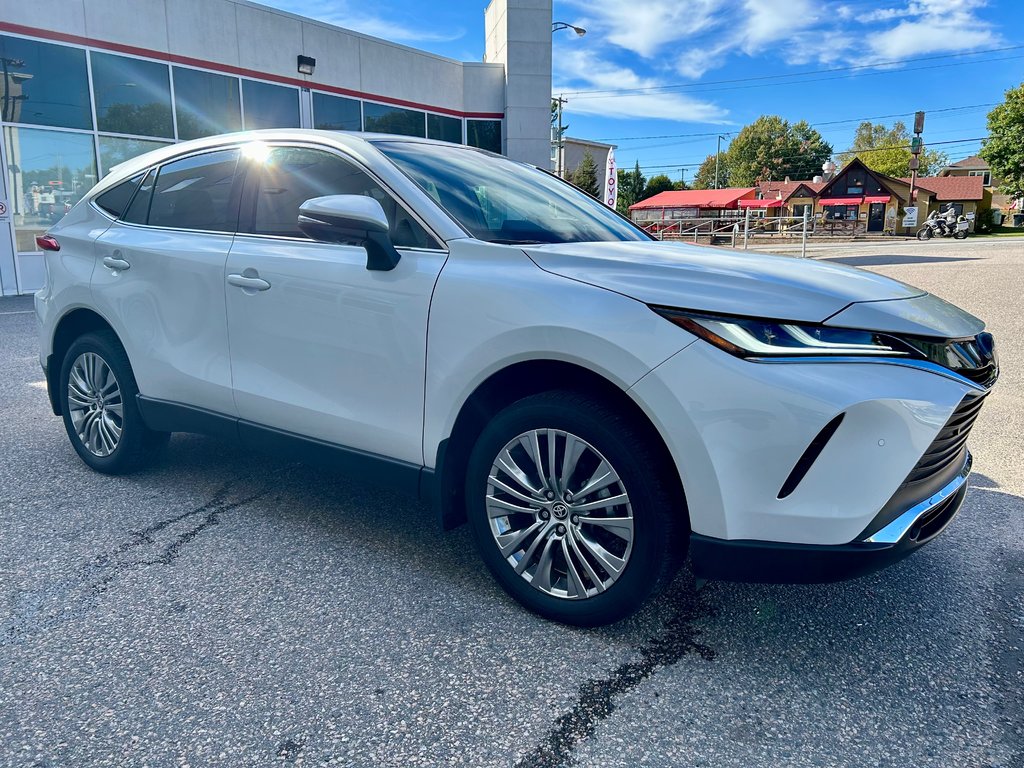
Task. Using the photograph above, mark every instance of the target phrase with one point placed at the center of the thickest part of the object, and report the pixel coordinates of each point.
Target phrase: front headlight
(757, 337)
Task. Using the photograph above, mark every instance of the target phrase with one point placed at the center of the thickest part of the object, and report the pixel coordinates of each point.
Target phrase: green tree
(887, 150)
(631, 188)
(705, 176)
(656, 185)
(770, 148)
(585, 175)
(1004, 149)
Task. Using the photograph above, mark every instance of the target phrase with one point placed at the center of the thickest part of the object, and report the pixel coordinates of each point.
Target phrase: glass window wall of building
(485, 134)
(269, 106)
(444, 128)
(205, 103)
(132, 96)
(43, 84)
(383, 118)
(336, 113)
(48, 172)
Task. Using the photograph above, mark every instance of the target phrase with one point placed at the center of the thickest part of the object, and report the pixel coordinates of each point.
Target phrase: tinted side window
(138, 210)
(116, 199)
(195, 193)
(292, 175)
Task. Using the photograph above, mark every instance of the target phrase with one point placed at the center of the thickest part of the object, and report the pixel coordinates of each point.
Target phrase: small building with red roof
(675, 205)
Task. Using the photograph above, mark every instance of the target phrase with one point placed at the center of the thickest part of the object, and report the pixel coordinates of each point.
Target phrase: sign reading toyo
(611, 181)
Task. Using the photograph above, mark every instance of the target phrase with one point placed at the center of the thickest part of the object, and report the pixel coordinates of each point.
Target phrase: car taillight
(47, 242)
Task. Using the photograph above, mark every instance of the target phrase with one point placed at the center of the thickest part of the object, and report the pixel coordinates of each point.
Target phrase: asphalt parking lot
(228, 609)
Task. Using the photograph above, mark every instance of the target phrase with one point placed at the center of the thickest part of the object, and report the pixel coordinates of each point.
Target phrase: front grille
(950, 443)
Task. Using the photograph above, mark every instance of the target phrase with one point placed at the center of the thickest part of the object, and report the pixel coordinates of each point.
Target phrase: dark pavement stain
(596, 698)
(161, 543)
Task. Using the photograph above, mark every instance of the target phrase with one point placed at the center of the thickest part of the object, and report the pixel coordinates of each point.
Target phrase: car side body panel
(493, 308)
(168, 310)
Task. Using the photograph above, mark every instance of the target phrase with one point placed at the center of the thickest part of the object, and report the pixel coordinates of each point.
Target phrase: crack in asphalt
(51, 605)
(595, 700)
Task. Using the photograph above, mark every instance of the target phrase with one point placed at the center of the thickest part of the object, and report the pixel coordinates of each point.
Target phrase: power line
(851, 68)
(851, 150)
(812, 125)
(816, 79)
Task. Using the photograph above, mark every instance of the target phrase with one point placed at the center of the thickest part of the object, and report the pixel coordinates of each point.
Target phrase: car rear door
(159, 279)
(324, 348)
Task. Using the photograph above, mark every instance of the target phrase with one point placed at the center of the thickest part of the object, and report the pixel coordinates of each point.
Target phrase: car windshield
(501, 201)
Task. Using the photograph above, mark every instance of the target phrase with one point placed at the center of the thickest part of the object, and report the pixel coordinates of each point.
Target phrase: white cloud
(697, 37)
(344, 13)
(583, 70)
(645, 27)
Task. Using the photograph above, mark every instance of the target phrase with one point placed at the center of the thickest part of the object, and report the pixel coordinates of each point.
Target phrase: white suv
(477, 331)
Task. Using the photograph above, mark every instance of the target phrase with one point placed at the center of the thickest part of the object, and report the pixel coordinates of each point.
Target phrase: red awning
(877, 199)
(841, 201)
(759, 203)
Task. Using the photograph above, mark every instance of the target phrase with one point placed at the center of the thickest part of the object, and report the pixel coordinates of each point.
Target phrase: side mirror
(351, 220)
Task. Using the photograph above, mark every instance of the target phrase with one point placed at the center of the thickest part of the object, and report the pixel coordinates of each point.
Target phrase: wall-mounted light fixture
(306, 65)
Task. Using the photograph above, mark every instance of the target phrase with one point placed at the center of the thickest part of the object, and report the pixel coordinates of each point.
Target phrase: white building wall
(518, 35)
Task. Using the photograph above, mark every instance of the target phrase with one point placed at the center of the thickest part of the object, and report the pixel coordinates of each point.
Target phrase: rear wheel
(571, 509)
(101, 416)
(960, 234)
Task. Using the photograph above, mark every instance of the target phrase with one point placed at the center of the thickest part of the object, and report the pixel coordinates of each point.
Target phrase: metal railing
(733, 229)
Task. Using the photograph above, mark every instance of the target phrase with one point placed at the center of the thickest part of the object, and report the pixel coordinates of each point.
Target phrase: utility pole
(559, 143)
(718, 154)
(916, 145)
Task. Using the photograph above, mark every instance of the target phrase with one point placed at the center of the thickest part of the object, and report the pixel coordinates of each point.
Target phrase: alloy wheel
(559, 513)
(94, 404)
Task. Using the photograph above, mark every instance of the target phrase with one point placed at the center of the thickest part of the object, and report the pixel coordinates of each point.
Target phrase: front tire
(101, 414)
(572, 510)
(925, 233)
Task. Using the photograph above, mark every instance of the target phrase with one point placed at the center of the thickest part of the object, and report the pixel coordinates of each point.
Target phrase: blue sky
(692, 69)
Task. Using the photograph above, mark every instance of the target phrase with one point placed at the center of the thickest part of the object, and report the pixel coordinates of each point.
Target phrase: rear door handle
(248, 283)
(116, 264)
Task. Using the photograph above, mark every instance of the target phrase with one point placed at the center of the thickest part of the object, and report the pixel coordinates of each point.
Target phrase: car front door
(159, 279)
(321, 347)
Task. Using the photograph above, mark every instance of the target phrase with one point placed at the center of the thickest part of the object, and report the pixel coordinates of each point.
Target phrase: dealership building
(88, 84)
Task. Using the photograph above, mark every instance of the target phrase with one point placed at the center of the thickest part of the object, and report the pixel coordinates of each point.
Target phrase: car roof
(358, 143)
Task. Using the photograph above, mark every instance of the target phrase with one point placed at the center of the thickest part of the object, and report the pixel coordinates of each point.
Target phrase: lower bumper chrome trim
(898, 528)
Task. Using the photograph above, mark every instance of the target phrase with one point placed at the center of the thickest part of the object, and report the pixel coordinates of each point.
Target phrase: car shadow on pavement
(879, 260)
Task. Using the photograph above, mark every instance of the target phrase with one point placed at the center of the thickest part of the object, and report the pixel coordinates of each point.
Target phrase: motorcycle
(940, 227)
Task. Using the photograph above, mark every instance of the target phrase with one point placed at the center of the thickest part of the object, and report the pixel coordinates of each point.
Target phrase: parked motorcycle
(936, 226)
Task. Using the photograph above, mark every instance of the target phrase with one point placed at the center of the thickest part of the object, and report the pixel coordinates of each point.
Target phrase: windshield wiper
(519, 242)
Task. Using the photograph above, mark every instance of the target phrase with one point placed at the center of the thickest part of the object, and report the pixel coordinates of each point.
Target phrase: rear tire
(100, 410)
(960, 234)
(578, 556)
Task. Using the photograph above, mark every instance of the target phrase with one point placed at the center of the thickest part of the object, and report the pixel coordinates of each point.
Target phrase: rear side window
(116, 199)
(291, 175)
(195, 193)
(138, 209)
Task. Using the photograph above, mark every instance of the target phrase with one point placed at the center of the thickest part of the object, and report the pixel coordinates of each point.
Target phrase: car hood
(717, 280)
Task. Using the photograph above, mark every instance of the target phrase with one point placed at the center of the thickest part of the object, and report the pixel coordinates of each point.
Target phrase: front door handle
(248, 283)
(116, 264)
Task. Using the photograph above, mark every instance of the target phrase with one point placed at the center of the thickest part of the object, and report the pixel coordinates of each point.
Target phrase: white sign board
(611, 181)
(910, 216)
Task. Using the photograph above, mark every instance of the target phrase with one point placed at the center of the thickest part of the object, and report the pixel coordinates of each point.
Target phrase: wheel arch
(506, 386)
(71, 326)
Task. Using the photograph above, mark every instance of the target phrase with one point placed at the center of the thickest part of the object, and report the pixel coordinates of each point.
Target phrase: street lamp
(559, 144)
(557, 25)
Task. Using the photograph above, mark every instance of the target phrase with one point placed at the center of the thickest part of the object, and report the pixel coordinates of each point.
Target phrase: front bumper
(769, 562)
